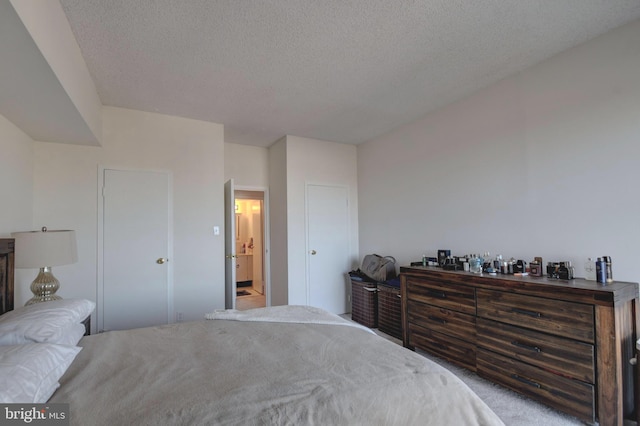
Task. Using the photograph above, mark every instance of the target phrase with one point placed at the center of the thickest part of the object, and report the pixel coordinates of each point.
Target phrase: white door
(135, 249)
(328, 247)
(229, 245)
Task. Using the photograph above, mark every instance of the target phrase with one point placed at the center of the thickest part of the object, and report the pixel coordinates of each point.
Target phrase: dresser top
(587, 291)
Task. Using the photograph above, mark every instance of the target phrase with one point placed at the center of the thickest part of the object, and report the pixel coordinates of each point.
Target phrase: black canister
(601, 271)
(607, 262)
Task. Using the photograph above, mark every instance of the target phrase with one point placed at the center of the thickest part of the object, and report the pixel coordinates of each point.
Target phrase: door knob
(313, 252)
(161, 260)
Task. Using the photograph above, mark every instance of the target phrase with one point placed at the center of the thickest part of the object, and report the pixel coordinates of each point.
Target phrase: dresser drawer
(571, 396)
(458, 298)
(567, 319)
(443, 320)
(457, 351)
(558, 355)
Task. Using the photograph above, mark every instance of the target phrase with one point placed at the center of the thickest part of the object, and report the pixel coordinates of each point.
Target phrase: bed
(298, 365)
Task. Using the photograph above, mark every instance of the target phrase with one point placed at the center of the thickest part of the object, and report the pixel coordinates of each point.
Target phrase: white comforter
(250, 370)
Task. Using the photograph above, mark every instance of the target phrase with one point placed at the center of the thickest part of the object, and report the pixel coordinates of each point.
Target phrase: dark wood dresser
(7, 253)
(566, 344)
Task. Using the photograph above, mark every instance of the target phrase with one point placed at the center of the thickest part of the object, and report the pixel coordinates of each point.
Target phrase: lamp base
(44, 287)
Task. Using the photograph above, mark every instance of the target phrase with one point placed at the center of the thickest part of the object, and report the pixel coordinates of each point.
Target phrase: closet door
(327, 247)
(136, 242)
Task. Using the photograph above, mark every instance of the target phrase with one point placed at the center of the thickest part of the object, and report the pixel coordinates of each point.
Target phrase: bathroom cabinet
(244, 267)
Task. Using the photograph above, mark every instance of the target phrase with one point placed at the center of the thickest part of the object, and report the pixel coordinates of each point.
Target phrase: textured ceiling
(337, 70)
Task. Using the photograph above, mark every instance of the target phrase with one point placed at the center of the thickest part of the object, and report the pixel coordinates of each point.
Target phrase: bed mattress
(234, 372)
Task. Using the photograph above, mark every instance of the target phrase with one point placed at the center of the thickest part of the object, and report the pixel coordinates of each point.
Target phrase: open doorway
(251, 283)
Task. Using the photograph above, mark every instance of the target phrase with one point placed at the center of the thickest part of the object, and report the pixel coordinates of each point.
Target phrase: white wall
(66, 191)
(306, 161)
(48, 26)
(16, 178)
(546, 163)
(16, 190)
(247, 165)
(278, 207)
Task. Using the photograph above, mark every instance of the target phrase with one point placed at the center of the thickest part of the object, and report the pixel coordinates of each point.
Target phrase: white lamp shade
(38, 249)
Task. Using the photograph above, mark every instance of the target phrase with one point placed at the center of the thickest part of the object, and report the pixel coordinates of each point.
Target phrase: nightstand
(87, 325)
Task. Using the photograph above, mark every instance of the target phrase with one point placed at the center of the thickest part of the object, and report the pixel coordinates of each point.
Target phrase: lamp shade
(37, 249)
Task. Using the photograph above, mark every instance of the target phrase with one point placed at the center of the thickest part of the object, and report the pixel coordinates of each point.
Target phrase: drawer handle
(436, 319)
(438, 294)
(525, 312)
(372, 289)
(440, 346)
(526, 381)
(528, 347)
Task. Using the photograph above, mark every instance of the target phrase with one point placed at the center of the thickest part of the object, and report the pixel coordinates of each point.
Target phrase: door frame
(267, 239)
(100, 243)
(229, 245)
(307, 256)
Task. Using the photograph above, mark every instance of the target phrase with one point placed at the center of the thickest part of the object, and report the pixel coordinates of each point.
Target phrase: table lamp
(44, 249)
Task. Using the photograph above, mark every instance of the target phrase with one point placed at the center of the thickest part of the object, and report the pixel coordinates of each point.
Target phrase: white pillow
(71, 335)
(29, 373)
(45, 322)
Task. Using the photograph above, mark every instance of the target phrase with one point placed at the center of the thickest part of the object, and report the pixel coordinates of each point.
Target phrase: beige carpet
(512, 408)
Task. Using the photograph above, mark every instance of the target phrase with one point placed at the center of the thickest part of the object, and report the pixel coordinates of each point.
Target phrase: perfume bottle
(590, 269)
(475, 264)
